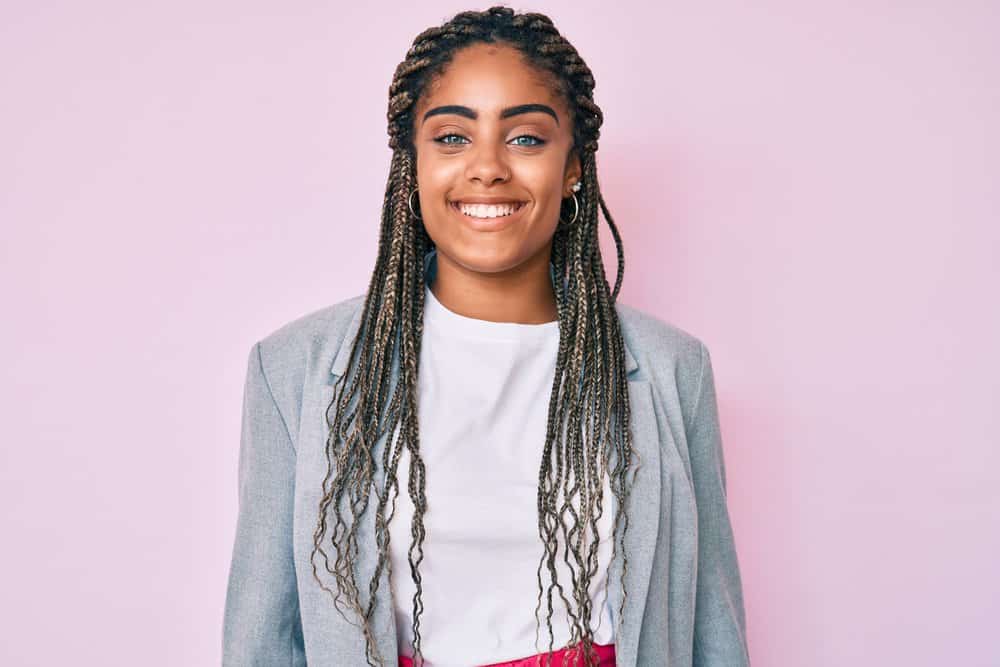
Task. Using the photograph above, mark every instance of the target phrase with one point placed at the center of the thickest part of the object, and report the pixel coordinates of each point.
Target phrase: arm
(720, 623)
(262, 625)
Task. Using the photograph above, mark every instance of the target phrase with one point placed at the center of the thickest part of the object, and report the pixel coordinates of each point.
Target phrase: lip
(489, 224)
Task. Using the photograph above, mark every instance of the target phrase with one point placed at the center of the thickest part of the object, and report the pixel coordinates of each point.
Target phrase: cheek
(435, 178)
(543, 176)
(545, 184)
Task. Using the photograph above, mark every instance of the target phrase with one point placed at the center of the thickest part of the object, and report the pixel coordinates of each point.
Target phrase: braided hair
(590, 390)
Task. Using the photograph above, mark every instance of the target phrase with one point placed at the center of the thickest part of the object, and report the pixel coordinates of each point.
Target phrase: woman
(541, 447)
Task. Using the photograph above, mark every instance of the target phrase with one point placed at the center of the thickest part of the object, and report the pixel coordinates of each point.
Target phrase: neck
(522, 294)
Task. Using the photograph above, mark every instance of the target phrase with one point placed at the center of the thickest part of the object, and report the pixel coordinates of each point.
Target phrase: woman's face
(477, 143)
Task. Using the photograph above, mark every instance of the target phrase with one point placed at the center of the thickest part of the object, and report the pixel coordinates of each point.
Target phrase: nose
(487, 164)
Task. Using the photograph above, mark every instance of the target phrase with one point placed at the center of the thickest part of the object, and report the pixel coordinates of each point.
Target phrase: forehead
(488, 77)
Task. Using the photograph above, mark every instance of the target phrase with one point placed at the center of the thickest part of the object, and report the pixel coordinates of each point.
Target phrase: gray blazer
(685, 602)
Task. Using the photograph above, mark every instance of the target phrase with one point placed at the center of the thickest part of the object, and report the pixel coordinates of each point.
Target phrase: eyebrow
(460, 110)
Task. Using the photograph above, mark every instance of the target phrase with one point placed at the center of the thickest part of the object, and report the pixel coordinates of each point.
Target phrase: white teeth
(488, 210)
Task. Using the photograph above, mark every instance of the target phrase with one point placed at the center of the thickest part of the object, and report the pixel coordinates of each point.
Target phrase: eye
(538, 141)
(441, 139)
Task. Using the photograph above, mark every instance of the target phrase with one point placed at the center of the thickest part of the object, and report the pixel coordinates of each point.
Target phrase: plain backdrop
(810, 188)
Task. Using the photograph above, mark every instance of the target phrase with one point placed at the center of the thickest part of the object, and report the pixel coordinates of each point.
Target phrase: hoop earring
(576, 211)
(409, 201)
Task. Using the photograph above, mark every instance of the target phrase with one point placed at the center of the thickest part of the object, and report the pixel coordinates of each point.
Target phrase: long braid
(589, 411)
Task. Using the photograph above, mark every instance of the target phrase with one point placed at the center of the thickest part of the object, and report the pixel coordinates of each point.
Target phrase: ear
(573, 173)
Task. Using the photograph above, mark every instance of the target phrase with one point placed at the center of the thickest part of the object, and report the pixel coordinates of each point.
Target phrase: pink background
(810, 189)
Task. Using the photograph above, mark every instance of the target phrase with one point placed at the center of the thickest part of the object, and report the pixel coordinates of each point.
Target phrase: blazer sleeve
(720, 622)
(262, 625)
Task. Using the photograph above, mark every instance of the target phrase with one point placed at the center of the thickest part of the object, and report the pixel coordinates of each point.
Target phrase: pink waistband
(560, 658)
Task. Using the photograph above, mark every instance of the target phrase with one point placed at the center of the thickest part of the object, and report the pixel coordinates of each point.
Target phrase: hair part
(589, 391)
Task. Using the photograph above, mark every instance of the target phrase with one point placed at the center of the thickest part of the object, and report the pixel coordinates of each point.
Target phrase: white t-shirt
(483, 398)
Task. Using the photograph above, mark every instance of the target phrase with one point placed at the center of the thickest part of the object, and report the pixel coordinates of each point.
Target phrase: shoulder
(311, 331)
(673, 359)
(658, 341)
(300, 349)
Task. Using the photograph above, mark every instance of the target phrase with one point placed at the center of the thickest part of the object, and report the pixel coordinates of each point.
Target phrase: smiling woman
(560, 452)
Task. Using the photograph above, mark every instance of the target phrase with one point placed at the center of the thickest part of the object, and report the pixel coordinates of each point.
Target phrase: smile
(486, 211)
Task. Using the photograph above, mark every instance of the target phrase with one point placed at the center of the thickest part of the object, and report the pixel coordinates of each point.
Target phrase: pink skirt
(560, 658)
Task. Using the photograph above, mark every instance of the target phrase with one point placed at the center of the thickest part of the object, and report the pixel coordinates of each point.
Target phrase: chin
(485, 258)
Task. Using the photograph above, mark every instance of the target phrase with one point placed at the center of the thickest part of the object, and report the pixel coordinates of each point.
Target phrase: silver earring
(577, 186)
(409, 200)
(576, 208)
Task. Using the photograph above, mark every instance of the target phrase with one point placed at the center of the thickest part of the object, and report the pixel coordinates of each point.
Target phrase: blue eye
(538, 141)
(442, 138)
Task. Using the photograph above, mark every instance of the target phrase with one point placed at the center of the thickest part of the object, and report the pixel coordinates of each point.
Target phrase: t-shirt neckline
(436, 313)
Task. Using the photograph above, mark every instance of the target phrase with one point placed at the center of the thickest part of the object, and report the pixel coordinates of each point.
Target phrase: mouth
(489, 217)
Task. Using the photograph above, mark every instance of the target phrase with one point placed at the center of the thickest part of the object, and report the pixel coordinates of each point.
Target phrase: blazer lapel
(643, 511)
(384, 628)
(643, 507)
